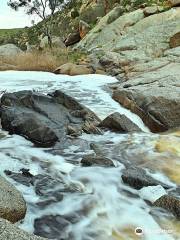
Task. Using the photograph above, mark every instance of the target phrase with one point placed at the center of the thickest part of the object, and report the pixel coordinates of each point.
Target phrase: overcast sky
(11, 19)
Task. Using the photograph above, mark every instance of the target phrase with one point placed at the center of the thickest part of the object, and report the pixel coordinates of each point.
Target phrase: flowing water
(104, 207)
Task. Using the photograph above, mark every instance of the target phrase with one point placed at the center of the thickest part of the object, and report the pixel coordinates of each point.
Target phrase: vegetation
(43, 9)
(47, 60)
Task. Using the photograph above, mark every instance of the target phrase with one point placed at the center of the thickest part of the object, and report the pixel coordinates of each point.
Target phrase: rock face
(119, 122)
(9, 231)
(41, 119)
(73, 69)
(12, 204)
(132, 35)
(9, 50)
(149, 97)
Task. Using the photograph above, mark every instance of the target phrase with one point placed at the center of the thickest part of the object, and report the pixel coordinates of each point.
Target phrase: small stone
(97, 160)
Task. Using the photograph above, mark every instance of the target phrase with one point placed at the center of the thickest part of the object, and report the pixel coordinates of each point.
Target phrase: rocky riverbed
(75, 164)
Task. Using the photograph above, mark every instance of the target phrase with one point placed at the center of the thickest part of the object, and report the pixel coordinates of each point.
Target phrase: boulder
(9, 50)
(9, 231)
(150, 10)
(56, 42)
(148, 96)
(169, 203)
(41, 119)
(12, 204)
(119, 122)
(73, 69)
(72, 38)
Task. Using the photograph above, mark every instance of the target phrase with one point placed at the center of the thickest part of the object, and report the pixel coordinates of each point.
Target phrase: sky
(11, 19)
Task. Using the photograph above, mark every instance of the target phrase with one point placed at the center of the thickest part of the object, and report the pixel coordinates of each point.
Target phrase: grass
(47, 60)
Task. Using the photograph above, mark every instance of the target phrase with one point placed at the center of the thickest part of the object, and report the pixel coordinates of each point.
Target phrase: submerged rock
(24, 177)
(52, 227)
(138, 178)
(12, 204)
(119, 122)
(9, 231)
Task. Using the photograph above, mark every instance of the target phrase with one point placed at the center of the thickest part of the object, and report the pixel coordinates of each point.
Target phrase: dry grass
(47, 60)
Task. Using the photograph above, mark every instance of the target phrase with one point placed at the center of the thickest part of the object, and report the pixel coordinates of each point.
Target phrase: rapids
(104, 206)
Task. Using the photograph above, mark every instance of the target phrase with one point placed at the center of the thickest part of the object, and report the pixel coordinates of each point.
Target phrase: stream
(96, 204)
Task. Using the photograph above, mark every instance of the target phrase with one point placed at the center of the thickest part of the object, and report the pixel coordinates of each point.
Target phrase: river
(101, 205)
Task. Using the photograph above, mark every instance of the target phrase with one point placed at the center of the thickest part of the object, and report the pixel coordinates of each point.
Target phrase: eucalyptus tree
(44, 9)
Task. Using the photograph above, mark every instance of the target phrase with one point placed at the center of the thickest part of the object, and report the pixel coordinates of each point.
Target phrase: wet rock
(71, 39)
(138, 178)
(91, 127)
(119, 122)
(90, 160)
(40, 118)
(9, 231)
(74, 131)
(12, 204)
(52, 227)
(25, 177)
(169, 203)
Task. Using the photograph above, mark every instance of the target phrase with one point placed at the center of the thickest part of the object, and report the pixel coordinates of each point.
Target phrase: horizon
(10, 19)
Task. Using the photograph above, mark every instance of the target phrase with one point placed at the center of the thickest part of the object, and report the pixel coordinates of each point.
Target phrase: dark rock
(51, 227)
(72, 38)
(158, 109)
(119, 122)
(25, 178)
(40, 118)
(169, 203)
(90, 160)
(138, 178)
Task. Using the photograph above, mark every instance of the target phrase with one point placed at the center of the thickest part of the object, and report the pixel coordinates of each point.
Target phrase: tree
(45, 9)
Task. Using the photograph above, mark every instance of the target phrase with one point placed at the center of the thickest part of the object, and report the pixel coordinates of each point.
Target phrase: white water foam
(88, 89)
(102, 198)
